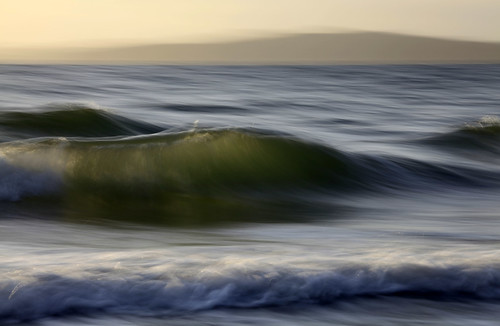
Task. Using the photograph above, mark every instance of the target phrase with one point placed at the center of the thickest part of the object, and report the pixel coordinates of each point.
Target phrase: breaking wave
(143, 173)
(208, 162)
(170, 293)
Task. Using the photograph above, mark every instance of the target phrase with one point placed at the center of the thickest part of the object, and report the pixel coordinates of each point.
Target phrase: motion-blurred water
(318, 195)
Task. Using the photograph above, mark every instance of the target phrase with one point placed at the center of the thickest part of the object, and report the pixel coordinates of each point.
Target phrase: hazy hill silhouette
(342, 48)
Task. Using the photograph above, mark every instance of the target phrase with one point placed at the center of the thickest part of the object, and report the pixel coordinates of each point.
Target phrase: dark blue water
(171, 195)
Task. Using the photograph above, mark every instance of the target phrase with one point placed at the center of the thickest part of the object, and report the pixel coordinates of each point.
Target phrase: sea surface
(250, 195)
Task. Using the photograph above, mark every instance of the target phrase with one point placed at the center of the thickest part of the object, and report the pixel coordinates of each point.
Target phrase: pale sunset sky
(29, 23)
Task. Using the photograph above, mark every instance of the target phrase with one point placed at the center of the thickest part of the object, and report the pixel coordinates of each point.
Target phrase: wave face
(203, 162)
(165, 174)
(170, 293)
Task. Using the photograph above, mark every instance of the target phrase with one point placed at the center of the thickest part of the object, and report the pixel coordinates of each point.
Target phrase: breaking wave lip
(71, 120)
(50, 295)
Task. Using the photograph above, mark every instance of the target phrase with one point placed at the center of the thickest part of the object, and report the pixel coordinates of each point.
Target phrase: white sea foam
(17, 182)
(157, 294)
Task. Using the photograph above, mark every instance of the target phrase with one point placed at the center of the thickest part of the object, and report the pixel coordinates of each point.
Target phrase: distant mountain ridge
(340, 48)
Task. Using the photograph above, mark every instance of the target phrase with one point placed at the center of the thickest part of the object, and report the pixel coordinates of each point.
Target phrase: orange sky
(87, 22)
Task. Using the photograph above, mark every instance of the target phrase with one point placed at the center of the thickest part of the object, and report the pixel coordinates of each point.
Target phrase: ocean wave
(210, 161)
(198, 175)
(203, 176)
(207, 171)
(49, 295)
(201, 161)
(70, 120)
(489, 124)
(482, 135)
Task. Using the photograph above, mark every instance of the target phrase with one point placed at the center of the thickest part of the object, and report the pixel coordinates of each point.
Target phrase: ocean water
(258, 195)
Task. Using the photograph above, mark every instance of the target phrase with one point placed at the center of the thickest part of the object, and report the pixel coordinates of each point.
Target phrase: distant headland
(311, 48)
